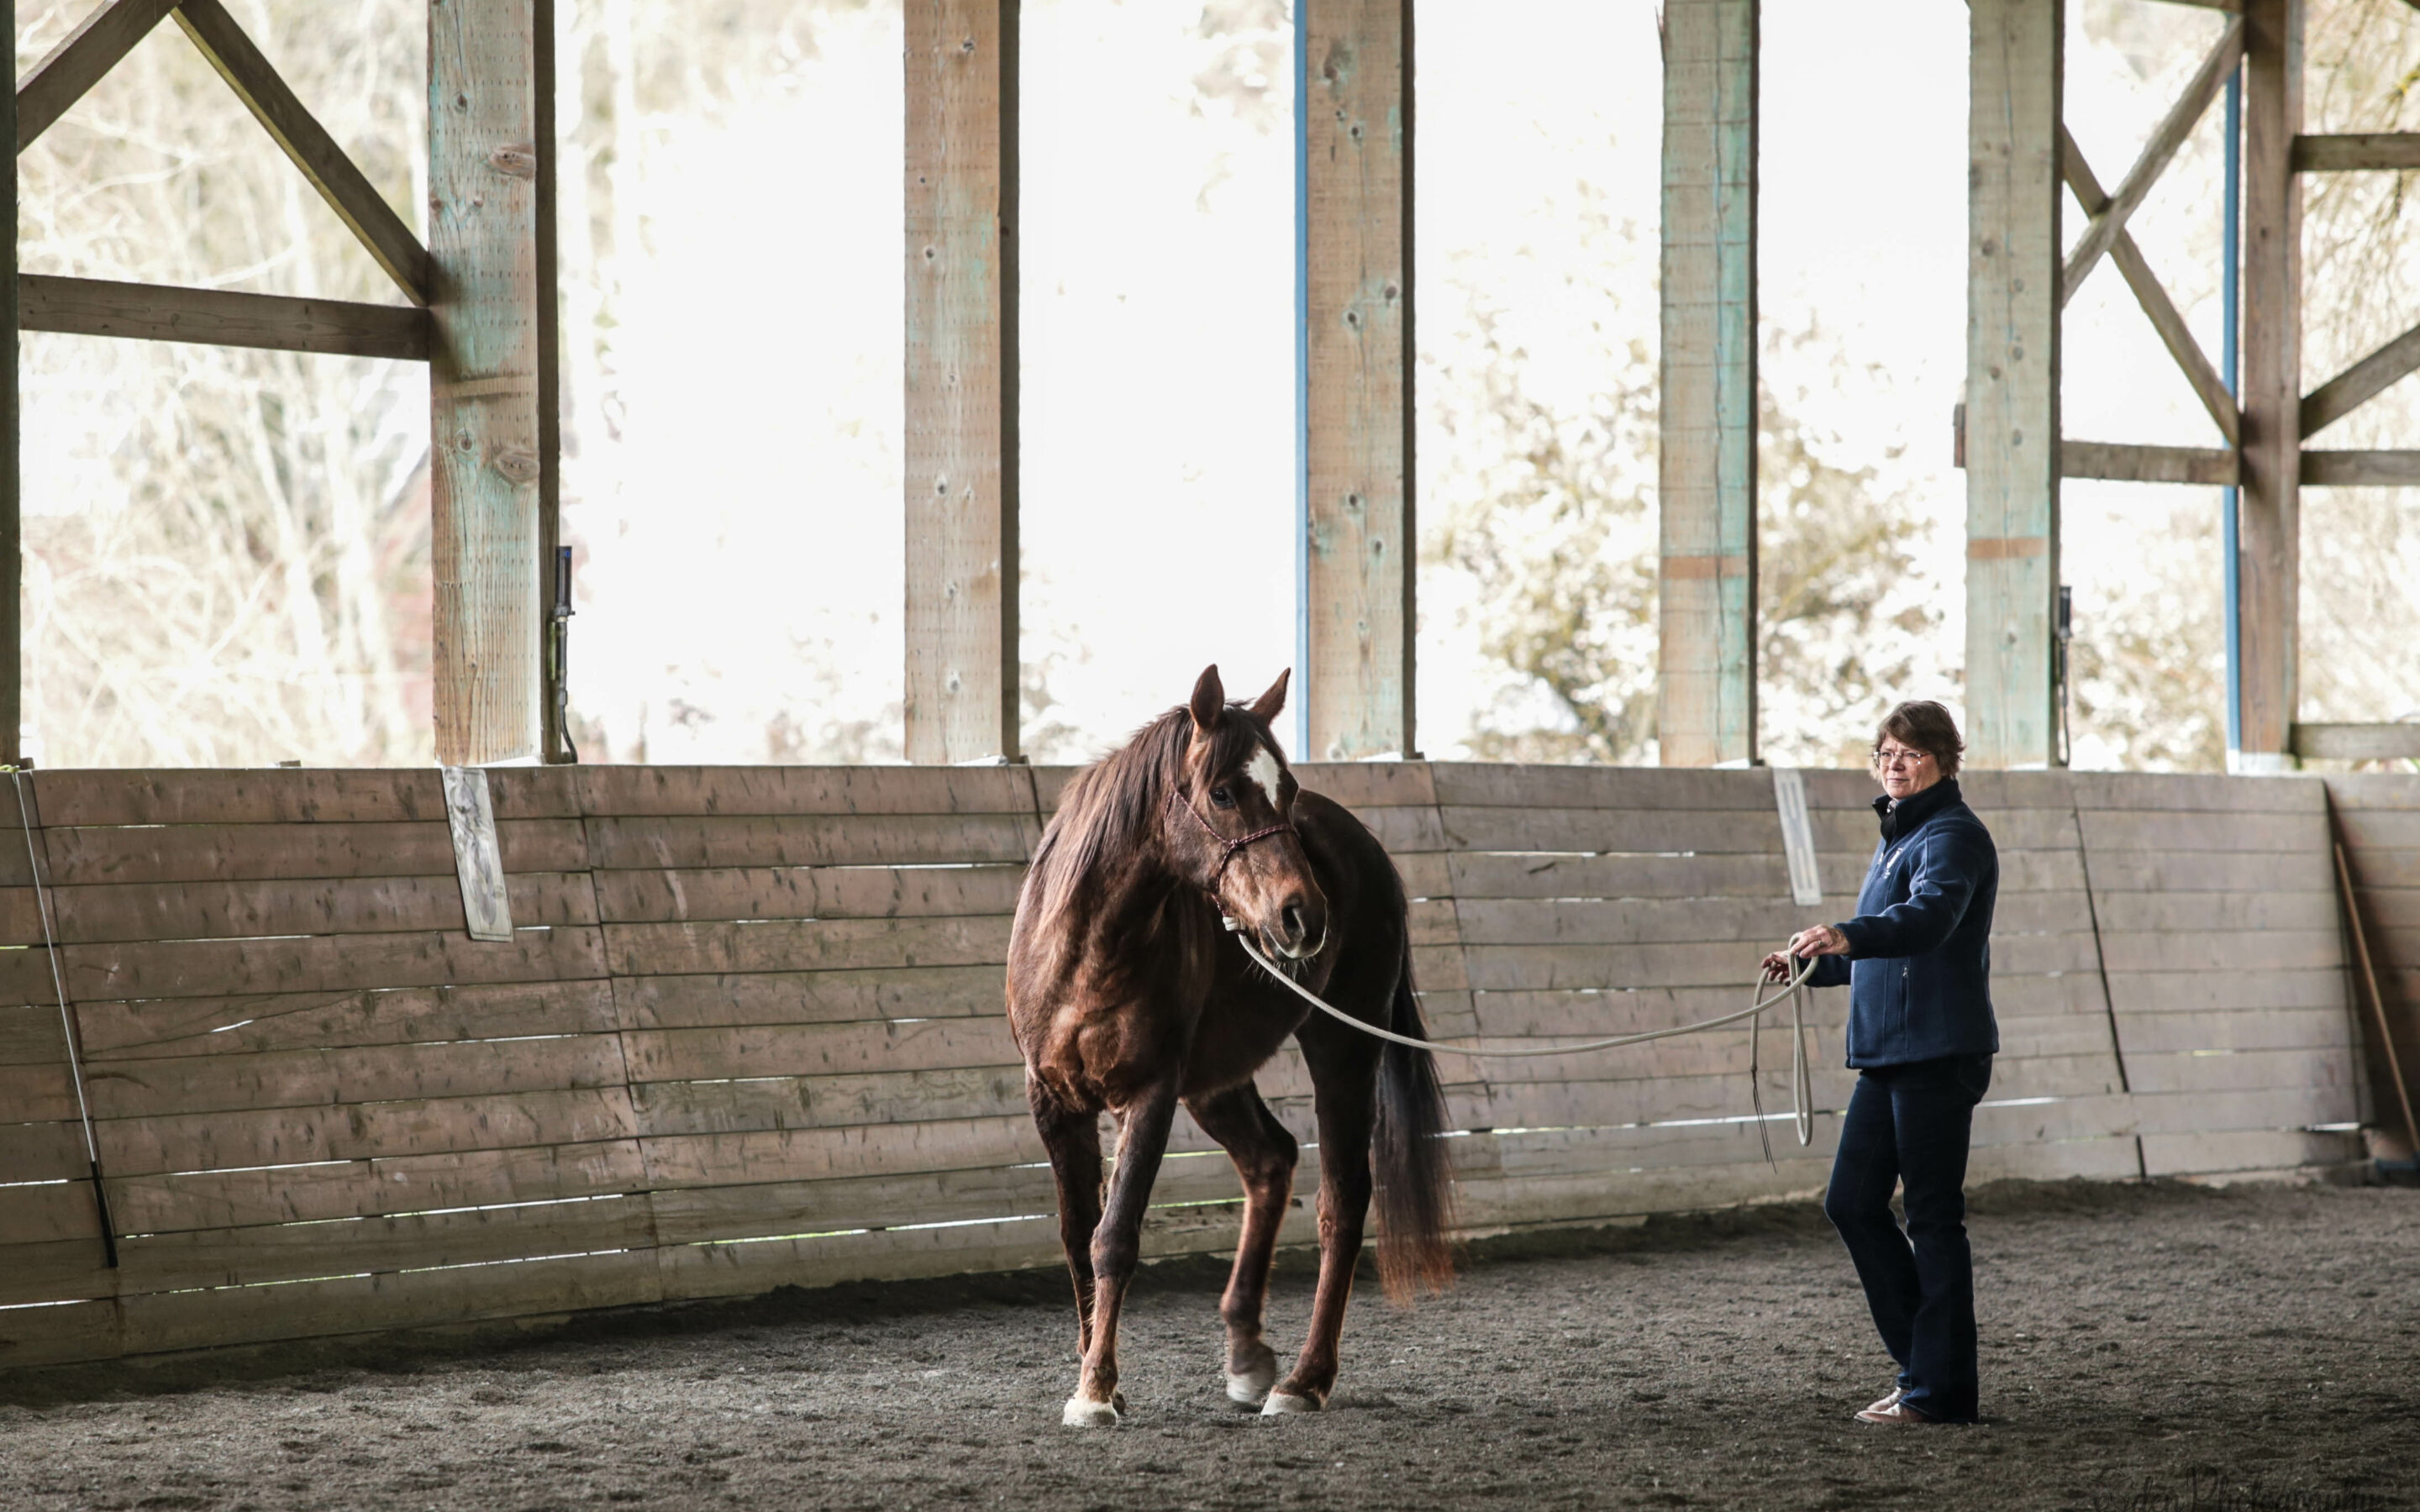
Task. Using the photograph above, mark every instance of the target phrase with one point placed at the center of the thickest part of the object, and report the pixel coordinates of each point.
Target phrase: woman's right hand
(1780, 967)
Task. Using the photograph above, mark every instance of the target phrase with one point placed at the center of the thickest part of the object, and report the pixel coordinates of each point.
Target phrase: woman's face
(1903, 769)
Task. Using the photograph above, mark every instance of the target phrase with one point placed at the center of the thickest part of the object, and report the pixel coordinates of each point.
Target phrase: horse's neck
(1134, 906)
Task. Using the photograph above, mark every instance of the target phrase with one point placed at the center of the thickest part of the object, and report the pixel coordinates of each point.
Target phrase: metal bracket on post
(559, 660)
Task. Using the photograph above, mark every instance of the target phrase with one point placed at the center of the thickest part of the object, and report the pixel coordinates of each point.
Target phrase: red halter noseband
(1229, 847)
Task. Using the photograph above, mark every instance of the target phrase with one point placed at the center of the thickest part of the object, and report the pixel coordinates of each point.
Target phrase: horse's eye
(1223, 798)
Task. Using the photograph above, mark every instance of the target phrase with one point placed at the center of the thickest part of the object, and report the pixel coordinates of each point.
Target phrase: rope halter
(1228, 849)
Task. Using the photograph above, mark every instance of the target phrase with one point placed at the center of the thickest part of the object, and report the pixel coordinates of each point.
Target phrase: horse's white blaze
(1263, 770)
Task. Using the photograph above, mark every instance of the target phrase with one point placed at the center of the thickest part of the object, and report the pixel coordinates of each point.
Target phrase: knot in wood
(967, 47)
(518, 464)
(519, 160)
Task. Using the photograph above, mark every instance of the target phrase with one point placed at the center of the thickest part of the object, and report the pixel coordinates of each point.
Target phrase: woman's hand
(1822, 939)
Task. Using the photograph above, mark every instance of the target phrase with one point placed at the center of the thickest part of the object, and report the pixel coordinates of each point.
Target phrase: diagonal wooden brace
(2109, 221)
(2358, 384)
(339, 181)
(2174, 333)
(80, 60)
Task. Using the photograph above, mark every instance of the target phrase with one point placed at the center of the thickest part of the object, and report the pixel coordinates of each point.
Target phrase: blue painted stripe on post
(2231, 271)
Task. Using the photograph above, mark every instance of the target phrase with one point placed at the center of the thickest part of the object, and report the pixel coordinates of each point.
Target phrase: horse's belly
(1227, 1047)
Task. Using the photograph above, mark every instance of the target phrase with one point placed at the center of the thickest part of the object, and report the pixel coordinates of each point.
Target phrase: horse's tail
(1414, 1176)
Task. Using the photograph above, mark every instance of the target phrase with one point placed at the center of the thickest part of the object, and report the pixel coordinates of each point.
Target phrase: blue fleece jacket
(1919, 964)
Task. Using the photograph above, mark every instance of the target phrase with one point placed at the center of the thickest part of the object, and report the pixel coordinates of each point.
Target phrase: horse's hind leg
(1264, 1154)
(1117, 1245)
(1074, 1141)
(1346, 1081)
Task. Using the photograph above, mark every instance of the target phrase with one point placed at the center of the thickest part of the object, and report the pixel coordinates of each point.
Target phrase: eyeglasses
(1891, 760)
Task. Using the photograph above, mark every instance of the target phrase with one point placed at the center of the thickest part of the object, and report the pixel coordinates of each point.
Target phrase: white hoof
(1281, 1403)
(1083, 1413)
(1251, 1387)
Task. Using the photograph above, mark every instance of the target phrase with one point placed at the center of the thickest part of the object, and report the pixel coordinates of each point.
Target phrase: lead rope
(67, 1018)
(1801, 1080)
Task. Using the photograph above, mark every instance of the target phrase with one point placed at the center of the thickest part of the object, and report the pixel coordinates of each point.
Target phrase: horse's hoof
(1251, 1387)
(1281, 1403)
(1083, 1413)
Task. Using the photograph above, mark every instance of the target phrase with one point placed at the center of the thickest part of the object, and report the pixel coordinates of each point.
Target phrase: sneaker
(1888, 1402)
(1899, 1415)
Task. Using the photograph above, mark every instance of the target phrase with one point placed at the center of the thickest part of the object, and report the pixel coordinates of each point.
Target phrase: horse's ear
(1209, 697)
(1265, 707)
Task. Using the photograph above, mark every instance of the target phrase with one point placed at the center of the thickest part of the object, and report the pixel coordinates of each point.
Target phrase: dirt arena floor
(2144, 1346)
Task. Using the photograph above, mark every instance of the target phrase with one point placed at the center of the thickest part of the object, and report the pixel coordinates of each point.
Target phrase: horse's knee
(1114, 1254)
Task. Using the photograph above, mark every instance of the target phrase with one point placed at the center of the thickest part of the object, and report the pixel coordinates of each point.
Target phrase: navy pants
(1907, 1125)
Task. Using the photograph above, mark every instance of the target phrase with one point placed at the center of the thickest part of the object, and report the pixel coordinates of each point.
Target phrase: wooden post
(489, 381)
(1706, 707)
(2012, 355)
(2269, 512)
(962, 380)
(1359, 540)
(555, 743)
(12, 614)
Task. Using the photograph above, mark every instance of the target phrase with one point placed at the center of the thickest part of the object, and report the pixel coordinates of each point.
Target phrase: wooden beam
(2174, 333)
(2012, 359)
(1360, 537)
(962, 380)
(343, 186)
(2165, 138)
(2269, 512)
(2357, 151)
(2117, 462)
(12, 572)
(2361, 470)
(485, 374)
(555, 742)
(79, 60)
(2358, 742)
(220, 318)
(1706, 705)
(2233, 8)
(2358, 384)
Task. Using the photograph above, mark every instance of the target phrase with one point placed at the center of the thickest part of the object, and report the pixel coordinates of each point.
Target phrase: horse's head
(1240, 843)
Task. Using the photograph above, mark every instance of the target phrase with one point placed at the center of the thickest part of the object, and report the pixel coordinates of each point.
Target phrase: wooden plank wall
(2225, 960)
(747, 1033)
(2379, 818)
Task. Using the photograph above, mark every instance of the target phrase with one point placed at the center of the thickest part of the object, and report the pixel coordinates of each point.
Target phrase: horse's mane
(1106, 813)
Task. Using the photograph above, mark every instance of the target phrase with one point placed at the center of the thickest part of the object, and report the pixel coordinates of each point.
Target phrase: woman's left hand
(1822, 939)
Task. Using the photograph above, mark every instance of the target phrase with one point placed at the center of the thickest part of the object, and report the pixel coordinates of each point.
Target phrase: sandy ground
(2157, 1347)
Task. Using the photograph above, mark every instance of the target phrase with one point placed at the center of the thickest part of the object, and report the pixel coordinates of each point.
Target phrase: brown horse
(1126, 994)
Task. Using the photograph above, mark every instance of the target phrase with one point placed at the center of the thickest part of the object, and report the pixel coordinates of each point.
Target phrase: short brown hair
(1926, 726)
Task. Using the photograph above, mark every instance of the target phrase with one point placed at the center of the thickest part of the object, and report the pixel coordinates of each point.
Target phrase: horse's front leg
(1117, 1245)
(1346, 1083)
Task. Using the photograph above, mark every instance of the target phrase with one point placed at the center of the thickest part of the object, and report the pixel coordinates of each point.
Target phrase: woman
(1918, 963)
